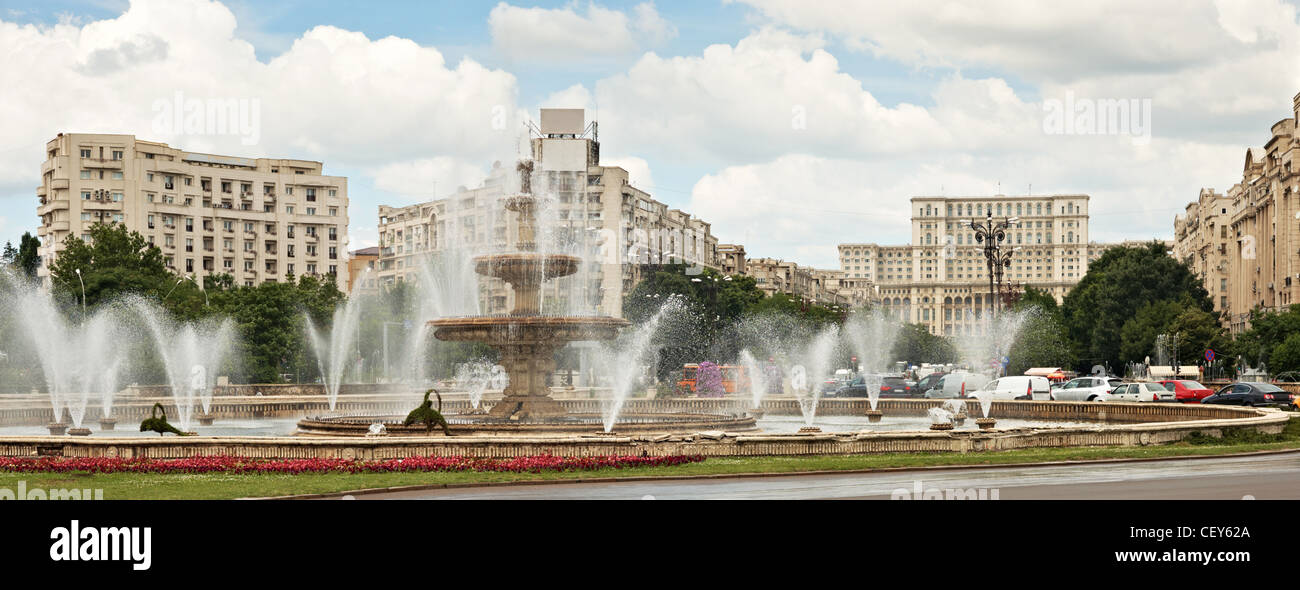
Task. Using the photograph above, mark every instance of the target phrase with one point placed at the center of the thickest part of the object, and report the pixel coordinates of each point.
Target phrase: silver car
(1087, 389)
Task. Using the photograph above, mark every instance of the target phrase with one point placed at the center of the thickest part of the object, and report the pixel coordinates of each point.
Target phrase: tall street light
(991, 233)
(83, 295)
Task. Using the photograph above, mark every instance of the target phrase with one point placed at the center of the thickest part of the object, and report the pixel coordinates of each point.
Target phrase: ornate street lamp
(991, 233)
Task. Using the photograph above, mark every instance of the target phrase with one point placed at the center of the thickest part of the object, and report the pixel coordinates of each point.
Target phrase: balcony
(105, 163)
(250, 253)
(59, 184)
(41, 191)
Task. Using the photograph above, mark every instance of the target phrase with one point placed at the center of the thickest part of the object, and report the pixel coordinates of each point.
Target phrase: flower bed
(222, 464)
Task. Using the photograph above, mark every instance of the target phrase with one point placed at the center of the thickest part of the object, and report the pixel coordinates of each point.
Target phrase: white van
(955, 385)
(1018, 387)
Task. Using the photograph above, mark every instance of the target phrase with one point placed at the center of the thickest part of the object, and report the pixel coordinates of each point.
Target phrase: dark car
(889, 387)
(1250, 393)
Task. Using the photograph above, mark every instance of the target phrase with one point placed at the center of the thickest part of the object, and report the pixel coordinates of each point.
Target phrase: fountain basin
(205, 419)
(57, 428)
(584, 423)
(874, 415)
(941, 426)
(107, 423)
(985, 423)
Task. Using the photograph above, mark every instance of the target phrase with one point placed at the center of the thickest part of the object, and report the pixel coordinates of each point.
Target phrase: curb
(636, 478)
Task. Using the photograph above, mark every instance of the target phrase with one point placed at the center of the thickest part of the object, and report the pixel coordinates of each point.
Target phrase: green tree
(28, 258)
(114, 262)
(1255, 347)
(1286, 355)
(1120, 282)
(915, 345)
(1042, 341)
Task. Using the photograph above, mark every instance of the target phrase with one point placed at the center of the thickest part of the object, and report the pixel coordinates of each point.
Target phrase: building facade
(1264, 227)
(590, 210)
(256, 219)
(362, 265)
(941, 278)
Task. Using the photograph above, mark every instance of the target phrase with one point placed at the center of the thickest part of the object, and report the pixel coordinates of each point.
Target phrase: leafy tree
(915, 345)
(1121, 281)
(1286, 355)
(28, 257)
(114, 262)
(1268, 330)
(1042, 341)
(1138, 334)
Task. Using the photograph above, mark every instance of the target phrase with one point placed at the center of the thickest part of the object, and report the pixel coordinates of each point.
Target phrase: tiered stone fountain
(526, 339)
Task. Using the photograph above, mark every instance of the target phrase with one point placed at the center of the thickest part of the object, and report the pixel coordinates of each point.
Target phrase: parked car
(1087, 389)
(1250, 393)
(1142, 392)
(1016, 387)
(1191, 392)
(928, 382)
(889, 387)
(954, 385)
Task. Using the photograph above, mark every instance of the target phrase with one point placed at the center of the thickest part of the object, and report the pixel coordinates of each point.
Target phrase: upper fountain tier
(526, 271)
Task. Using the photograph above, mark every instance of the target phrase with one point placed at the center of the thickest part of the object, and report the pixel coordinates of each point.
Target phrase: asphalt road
(1265, 477)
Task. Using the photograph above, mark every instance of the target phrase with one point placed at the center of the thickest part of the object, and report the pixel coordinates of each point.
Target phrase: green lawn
(226, 486)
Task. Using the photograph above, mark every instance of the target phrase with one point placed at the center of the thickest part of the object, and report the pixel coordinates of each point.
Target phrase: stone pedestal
(107, 424)
(874, 415)
(985, 423)
(527, 407)
(57, 428)
(78, 432)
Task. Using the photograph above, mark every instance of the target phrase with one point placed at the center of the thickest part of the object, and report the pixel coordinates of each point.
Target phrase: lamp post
(83, 295)
(991, 233)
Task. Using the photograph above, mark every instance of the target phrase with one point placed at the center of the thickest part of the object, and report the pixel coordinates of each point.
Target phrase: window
(85, 152)
(288, 209)
(117, 175)
(311, 210)
(85, 195)
(334, 193)
(334, 211)
(311, 194)
(85, 175)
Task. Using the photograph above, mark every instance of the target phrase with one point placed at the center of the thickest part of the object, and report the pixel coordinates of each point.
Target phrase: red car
(1185, 391)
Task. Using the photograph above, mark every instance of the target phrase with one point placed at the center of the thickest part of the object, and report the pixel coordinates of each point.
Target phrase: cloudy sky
(790, 125)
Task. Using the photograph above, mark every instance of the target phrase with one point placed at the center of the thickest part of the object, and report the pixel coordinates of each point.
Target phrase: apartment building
(941, 278)
(1264, 227)
(732, 258)
(359, 263)
(588, 209)
(256, 219)
(773, 275)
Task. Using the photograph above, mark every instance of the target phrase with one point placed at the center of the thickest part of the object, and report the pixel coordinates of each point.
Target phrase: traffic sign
(1209, 355)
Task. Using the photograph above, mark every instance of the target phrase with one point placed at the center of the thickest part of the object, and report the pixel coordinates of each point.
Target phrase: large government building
(256, 219)
(941, 279)
(1245, 245)
(594, 211)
